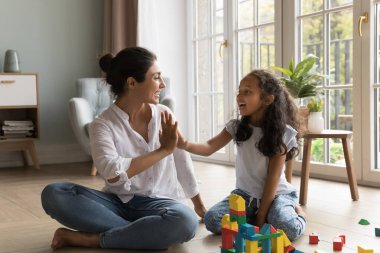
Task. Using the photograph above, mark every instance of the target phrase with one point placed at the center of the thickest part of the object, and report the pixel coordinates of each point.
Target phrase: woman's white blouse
(113, 146)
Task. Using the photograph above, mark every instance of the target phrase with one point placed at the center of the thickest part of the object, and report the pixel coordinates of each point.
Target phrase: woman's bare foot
(300, 212)
(66, 237)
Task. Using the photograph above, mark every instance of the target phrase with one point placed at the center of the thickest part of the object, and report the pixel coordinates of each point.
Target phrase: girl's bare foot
(66, 237)
(300, 212)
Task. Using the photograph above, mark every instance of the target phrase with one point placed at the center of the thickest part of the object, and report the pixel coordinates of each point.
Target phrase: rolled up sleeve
(105, 156)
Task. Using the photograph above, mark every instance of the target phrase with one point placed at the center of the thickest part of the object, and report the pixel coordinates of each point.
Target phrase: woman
(133, 146)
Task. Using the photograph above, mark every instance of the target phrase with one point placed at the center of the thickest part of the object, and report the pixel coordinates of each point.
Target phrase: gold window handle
(7, 81)
(362, 18)
(224, 44)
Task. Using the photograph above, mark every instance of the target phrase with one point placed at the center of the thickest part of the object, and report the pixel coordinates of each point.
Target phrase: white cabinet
(19, 102)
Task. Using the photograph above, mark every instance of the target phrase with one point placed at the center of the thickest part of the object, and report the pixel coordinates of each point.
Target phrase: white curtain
(147, 35)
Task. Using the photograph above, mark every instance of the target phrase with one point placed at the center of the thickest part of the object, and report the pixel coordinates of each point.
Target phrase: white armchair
(93, 97)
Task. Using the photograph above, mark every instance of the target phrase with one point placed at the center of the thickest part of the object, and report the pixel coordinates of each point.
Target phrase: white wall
(172, 53)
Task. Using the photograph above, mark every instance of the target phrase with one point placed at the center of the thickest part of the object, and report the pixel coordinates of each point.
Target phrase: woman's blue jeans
(141, 223)
(281, 214)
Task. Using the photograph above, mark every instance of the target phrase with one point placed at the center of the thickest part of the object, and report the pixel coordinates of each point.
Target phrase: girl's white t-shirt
(252, 166)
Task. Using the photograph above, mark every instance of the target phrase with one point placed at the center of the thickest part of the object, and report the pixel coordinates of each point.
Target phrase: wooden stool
(305, 171)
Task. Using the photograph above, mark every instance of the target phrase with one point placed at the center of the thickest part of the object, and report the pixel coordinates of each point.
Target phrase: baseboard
(47, 154)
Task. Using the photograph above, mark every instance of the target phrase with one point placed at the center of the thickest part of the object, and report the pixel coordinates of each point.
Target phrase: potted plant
(302, 81)
(315, 119)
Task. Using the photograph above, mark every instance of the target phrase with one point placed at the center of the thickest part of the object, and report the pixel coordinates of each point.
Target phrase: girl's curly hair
(280, 113)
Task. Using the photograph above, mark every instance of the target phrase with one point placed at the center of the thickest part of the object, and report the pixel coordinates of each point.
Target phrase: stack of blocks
(240, 237)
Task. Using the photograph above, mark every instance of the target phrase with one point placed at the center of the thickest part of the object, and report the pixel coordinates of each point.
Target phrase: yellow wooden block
(237, 203)
(251, 246)
(319, 251)
(277, 244)
(227, 223)
(285, 238)
(364, 250)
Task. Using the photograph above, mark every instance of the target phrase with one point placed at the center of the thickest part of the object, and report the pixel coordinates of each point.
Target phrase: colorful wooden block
(289, 249)
(246, 229)
(228, 236)
(227, 250)
(377, 231)
(362, 249)
(343, 238)
(237, 203)
(285, 237)
(227, 223)
(251, 247)
(278, 244)
(337, 244)
(313, 238)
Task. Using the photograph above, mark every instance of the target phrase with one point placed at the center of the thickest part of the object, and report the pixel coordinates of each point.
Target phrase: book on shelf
(18, 123)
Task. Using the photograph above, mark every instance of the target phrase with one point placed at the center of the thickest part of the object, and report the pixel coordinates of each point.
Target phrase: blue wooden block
(265, 246)
(239, 243)
(377, 231)
(246, 230)
(265, 229)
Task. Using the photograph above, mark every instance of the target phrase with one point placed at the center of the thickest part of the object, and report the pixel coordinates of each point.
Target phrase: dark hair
(129, 62)
(280, 113)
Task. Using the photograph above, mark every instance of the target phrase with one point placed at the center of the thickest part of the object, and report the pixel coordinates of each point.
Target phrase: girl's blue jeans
(141, 223)
(281, 214)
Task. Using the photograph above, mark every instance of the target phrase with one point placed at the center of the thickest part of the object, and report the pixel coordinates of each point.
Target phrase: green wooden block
(363, 222)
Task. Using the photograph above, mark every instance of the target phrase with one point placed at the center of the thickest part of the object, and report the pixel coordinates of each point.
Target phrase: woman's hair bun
(105, 62)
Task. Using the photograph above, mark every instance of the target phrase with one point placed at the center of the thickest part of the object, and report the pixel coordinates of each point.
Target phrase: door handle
(362, 18)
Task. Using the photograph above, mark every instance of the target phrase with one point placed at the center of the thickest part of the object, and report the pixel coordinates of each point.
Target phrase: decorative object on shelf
(11, 61)
(316, 122)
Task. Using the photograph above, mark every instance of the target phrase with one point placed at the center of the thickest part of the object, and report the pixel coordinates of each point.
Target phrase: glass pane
(203, 17)
(341, 47)
(219, 117)
(245, 13)
(318, 150)
(336, 151)
(308, 6)
(312, 38)
(218, 65)
(266, 46)
(337, 3)
(341, 109)
(245, 53)
(266, 11)
(204, 116)
(203, 66)
(219, 16)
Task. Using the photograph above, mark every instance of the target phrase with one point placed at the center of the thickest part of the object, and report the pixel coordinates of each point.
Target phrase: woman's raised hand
(168, 136)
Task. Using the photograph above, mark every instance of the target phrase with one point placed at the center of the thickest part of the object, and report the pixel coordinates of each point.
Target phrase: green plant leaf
(283, 70)
(291, 65)
(304, 67)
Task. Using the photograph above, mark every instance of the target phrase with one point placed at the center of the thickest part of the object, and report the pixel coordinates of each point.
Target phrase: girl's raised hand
(168, 135)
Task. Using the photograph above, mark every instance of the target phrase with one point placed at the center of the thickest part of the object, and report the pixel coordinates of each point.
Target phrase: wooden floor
(24, 227)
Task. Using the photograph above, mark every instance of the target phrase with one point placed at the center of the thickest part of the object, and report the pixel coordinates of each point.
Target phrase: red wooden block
(343, 238)
(288, 249)
(338, 244)
(228, 238)
(313, 238)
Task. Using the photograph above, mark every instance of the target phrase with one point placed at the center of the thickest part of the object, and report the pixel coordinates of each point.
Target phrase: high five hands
(168, 134)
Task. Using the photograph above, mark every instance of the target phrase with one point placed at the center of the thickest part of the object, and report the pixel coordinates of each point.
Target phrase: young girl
(264, 134)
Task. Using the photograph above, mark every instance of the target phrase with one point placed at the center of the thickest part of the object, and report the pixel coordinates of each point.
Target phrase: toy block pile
(240, 237)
